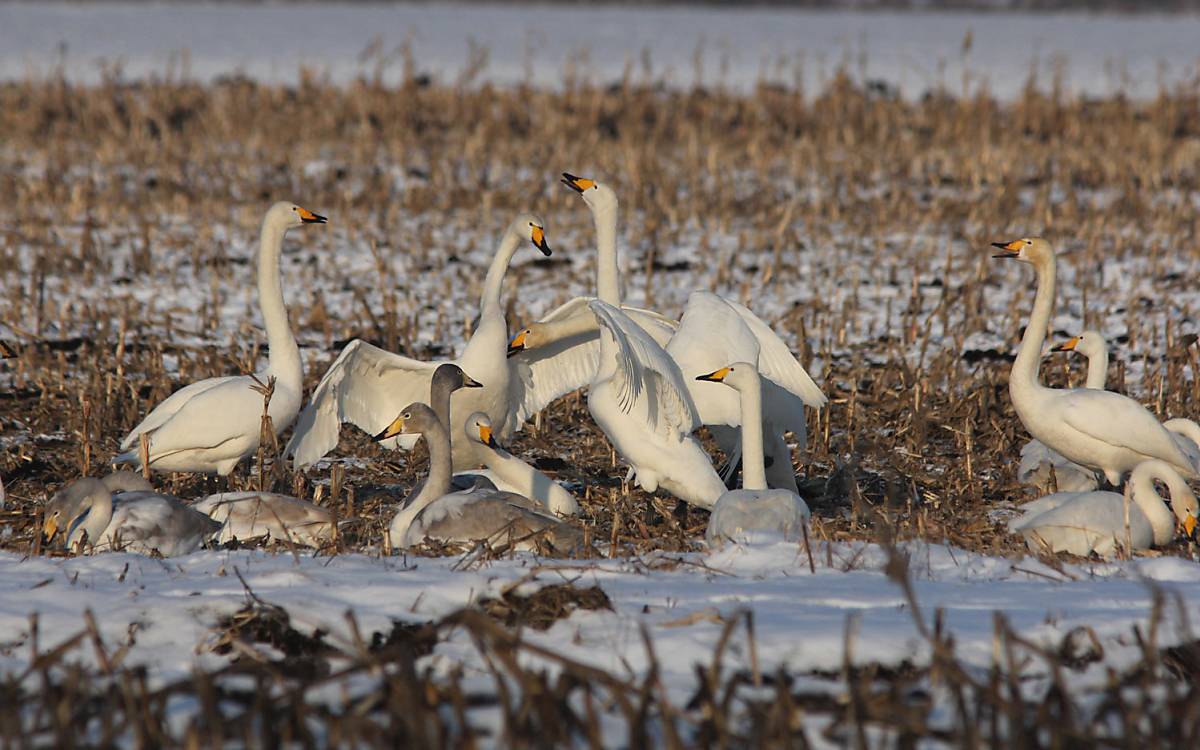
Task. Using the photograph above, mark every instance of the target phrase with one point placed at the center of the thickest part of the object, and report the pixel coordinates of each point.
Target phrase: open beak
(486, 437)
(1012, 249)
(517, 345)
(578, 184)
(308, 217)
(470, 382)
(392, 430)
(50, 527)
(715, 377)
(1066, 346)
(539, 240)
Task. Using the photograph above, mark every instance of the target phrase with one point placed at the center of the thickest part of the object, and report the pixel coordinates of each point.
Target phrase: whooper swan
(367, 386)
(1086, 522)
(738, 514)
(136, 520)
(511, 474)
(1095, 428)
(469, 515)
(211, 425)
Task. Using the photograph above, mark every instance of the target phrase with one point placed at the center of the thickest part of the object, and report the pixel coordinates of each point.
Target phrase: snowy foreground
(168, 608)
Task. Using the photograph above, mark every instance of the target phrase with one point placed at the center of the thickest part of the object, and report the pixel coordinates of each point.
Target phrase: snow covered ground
(168, 609)
(1096, 54)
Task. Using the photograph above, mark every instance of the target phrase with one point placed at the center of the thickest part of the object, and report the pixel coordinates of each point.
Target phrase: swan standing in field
(1086, 522)
(468, 515)
(639, 399)
(1036, 459)
(282, 518)
(367, 386)
(511, 474)
(1095, 428)
(211, 425)
(136, 520)
(754, 508)
(563, 350)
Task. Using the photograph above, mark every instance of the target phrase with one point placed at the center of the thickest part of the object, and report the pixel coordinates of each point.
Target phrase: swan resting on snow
(740, 515)
(466, 516)
(1085, 522)
(281, 518)
(211, 425)
(509, 473)
(138, 519)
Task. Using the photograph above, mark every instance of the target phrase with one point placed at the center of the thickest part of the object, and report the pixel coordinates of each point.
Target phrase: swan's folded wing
(1119, 420)
(168, 408)
(366, 386)
(776, 361)
(646, 374)
(231, 410)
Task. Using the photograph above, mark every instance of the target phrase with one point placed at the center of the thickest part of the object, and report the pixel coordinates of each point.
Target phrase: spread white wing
(366, 386)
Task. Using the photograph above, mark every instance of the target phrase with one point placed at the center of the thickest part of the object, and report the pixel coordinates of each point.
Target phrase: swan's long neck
(436, 484)
(1141, 485)
(608, 274)
(439, 401)
(493, 284)
(1097, 373)
(284, 356)
(99, 507)
(1023, 379)
(754, 471)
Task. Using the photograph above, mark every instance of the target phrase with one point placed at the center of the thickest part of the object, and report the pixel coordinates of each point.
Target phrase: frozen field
(1096, 55)
(856, 224)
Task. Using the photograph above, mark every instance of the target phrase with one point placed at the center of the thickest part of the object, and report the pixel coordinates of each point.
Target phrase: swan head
(532, 228)
(597, 195)
(68, 504)
(479, 429)
(738, 375)
(530, 337)
(451, 377)
(1027, 250)
(416, 418)
(1088, 343)
(289, 215)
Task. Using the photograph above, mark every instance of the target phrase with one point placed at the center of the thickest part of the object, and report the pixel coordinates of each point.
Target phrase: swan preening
(123, 512)
(1095, 428)
(211, 425)
(1103, 522)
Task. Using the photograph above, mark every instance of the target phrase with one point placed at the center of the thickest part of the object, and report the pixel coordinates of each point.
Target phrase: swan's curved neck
(98, 507)
(1141, 486)
(439, 401)
(284, 356)
(754, 471)
(1024, 376)
(608, 274)
(436, 484)
(493, 284)
(1097, 372)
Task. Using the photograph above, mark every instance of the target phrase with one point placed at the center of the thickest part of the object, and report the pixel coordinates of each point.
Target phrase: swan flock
(656, 385)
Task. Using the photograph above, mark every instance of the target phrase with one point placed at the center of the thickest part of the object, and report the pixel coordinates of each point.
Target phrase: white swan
(511, 474)
(1086, 522)
(738, 514)
(211, 425)
(367, 386)
(639, 399)
(136, 520)
(1186, 434)
(466, 516)
(282, 518)
(1095, 428)
(1037, 460)
(562, 350)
